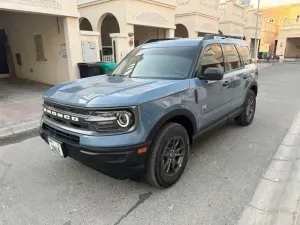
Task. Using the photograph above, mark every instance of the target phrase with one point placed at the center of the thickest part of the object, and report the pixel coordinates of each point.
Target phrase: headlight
(112, 121)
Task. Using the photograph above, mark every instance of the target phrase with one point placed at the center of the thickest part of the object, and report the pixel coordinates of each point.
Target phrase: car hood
(112, 91)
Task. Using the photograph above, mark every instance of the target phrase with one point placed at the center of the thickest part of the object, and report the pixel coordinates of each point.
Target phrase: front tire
(168, 156)
(247, 115)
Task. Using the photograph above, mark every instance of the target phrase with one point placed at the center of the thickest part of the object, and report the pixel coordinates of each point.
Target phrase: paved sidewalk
(20, 105)
(276, 199)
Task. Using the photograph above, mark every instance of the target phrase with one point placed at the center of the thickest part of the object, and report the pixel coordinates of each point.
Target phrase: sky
(274, 2)
(265, 3)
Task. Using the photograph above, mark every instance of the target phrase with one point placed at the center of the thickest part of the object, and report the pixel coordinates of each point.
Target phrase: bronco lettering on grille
(60, 115)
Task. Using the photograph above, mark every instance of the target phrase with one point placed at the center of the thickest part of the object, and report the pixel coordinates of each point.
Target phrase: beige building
(195, 18)
(124, 24)
(232, 21)
(250, 28)
(43, 40)
(281, 31)
(40, 40)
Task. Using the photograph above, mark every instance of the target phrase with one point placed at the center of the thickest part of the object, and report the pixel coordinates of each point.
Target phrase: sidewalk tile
(267, 195)
(291, 140)
(285, 152)
(295, 174)
(290, 197)
(278, 170)
(253, 216)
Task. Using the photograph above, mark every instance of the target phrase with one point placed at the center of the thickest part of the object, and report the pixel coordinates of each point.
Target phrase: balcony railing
(290, 23)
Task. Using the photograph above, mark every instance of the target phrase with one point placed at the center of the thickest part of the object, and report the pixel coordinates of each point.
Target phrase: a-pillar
(73, 46)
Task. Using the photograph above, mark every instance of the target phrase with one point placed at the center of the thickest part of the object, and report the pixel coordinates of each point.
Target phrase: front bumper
(118, 162)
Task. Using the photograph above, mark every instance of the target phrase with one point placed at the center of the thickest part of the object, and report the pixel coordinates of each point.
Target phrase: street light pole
(256, 34)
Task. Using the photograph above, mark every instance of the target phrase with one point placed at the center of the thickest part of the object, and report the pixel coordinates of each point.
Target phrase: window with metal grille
(39, 48)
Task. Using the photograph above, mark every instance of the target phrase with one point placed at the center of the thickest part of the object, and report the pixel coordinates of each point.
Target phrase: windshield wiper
(116, 75)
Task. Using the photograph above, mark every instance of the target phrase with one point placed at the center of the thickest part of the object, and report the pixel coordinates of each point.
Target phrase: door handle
(226, 83)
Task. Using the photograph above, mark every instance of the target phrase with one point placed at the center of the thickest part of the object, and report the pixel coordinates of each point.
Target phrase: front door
(213, 96)
(3, 56)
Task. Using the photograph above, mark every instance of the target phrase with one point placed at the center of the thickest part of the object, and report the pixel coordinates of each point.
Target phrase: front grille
(68, 109)
(71, 111)
(78, 125)
(60, 135)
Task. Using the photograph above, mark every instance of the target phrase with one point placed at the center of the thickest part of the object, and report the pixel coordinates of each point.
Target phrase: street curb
(276, 199)
(19, 130)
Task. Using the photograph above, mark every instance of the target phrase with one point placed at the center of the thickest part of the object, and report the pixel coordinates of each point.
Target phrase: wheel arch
(254, 87)
(181, 116)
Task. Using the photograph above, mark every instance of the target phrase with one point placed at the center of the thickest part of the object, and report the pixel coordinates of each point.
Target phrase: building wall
(151, 13)
(292, 48)
(142, 34)
(189, 21)
(20, 29)
(50, 7)
(96, 13)
(198, 16)
(232, 21)
(282, 29)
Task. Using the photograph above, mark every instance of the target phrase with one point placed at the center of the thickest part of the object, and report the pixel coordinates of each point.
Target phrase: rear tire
(247, 115)
(168, 156)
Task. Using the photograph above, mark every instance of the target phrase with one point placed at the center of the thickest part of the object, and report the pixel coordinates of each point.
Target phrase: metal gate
(107, 54)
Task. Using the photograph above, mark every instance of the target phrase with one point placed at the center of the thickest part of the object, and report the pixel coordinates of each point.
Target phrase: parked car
(141, 120)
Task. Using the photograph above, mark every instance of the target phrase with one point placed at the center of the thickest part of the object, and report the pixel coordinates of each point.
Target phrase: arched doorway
(108, 24)
(181, 31)
(84, 24)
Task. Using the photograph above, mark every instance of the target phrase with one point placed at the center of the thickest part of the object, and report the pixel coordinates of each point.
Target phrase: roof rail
(214, 36)
(159, 39)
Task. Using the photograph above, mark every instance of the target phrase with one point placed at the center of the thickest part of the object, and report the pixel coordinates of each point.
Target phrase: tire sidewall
(250, 94)
(166, 180)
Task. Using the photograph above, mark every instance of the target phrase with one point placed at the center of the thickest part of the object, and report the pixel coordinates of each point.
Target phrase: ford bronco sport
(141, 120)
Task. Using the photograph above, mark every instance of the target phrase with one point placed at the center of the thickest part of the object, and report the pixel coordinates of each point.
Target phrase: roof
(190, 42)
(183, 42)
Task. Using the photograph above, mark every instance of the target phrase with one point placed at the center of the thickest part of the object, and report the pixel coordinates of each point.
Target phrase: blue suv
(141, 120)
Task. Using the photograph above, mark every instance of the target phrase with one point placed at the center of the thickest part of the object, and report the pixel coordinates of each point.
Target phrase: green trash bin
(106, 68)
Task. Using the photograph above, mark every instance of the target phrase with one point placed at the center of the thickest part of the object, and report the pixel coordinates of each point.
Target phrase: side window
(245, 54)
(233, 58)
(212, 57)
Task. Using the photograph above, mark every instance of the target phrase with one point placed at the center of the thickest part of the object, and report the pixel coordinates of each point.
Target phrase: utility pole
(256, 34)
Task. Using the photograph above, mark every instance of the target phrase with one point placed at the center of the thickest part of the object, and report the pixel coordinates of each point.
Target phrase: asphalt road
(39, 187)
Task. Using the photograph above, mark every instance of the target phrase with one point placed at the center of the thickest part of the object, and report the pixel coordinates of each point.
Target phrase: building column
(281, 46)
(73, 46)
(170, 33)
(193, 34)
(123, 43)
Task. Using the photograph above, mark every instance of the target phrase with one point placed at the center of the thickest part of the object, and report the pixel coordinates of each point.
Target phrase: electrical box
(89, 51)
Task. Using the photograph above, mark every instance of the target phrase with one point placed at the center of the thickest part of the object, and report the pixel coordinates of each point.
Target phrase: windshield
(164, 63)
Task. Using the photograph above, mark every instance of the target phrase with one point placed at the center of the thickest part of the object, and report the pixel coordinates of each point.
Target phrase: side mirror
(212, 73)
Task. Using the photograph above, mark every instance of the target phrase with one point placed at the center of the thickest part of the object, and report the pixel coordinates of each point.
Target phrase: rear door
(213, 99)
(234, 71)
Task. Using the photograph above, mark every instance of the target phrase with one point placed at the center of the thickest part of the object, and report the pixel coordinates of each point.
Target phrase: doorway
(3, 56)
